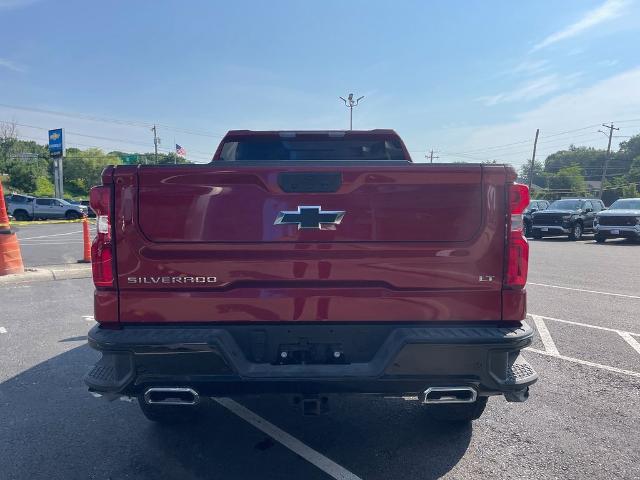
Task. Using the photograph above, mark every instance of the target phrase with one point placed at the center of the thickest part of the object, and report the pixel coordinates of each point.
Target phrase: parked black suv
(534, 206)
(569, 216)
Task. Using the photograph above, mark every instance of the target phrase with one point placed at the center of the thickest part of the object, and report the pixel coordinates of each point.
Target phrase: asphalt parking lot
(51, 243)
(581, 421)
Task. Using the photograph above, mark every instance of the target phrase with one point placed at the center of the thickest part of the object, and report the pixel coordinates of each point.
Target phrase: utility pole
(156, 140)
(430, 156)
(349, 102)
(606, 159)
(533, 158)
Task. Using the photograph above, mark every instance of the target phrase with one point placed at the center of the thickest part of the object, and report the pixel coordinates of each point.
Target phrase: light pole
(349, 102)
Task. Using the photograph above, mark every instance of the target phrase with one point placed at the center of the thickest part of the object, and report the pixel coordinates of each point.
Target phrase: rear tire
(21, 216)
(169, 414)
(576, 231)
(600, 238)
(457, 412)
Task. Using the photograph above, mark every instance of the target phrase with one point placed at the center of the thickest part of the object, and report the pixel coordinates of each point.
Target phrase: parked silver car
(25, 207)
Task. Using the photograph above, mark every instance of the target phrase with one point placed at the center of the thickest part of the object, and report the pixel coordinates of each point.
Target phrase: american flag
(180, 151)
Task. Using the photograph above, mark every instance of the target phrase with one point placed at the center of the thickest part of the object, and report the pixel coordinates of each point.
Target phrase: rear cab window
(328, 146)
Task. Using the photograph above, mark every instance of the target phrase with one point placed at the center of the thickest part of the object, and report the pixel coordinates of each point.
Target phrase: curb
(45, 222)
(49, 273)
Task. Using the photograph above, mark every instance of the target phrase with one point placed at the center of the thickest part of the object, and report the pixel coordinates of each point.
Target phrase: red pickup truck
(310, 264)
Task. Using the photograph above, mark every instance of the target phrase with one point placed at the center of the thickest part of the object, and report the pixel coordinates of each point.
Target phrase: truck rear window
(329, 149)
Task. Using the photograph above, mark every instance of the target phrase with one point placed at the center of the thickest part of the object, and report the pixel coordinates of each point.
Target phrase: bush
(44, 187)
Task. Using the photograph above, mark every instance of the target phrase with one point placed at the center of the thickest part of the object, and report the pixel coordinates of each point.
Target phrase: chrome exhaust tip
(171, 396)
(450, 395)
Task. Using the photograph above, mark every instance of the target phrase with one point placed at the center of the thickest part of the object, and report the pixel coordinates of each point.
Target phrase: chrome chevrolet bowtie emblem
(310, 217)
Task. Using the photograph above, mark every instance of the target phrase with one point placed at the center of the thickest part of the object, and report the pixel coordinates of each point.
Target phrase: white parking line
(52, 235)
(38, 244)
(3, 330)
(545, 336)
(585, 291)
(310, 455)
(630, 340)
(88, 318)
(588, 325)
(585, 362)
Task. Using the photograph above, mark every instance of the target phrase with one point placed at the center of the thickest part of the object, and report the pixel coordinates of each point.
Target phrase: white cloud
(608, 63)
(529, 67)
(11, 65)
(612, 99)
(609, 10)
(532, 89)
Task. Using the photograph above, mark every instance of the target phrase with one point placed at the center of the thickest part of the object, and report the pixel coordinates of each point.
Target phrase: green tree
(568, 181)
(538, 173)
(44, 187)
(634, 170)
(82, 169)
(630, 191)
(591, 161)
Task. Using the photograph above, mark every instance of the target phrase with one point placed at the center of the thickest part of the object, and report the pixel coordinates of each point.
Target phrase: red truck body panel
(414, 244)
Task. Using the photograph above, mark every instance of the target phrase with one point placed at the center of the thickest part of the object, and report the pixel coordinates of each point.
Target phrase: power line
(111, 139)
(500, 147)
(162, 150)
(430, 156)
(95, 118)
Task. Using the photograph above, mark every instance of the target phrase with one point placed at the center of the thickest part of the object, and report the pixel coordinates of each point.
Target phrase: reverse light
(101, 248)
(517, 264)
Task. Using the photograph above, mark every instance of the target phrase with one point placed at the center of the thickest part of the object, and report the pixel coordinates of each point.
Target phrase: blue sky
(459, 77)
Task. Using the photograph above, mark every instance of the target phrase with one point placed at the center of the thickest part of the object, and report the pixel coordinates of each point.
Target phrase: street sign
(129, 159)
(56, 142)
(27, 157)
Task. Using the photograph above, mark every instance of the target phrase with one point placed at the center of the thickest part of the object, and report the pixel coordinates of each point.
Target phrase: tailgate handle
(310, 182)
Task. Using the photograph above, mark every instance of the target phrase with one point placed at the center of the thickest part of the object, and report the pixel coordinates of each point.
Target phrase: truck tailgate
(415, 243)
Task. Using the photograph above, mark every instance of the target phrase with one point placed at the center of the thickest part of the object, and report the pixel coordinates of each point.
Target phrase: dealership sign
(56, 142)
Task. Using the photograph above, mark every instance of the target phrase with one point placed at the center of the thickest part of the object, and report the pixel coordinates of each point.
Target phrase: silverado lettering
(348, 269)
(181, 279)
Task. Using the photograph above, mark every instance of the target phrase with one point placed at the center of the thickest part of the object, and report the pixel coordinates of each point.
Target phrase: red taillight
(101, 249)
(518, 198)
(517, 261)
(517, 265)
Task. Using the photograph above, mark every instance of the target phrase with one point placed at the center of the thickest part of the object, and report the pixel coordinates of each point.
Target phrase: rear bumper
(374, 359)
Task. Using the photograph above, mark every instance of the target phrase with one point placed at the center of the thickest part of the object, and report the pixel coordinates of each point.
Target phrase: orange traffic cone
(10, 257)
(86, 257)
